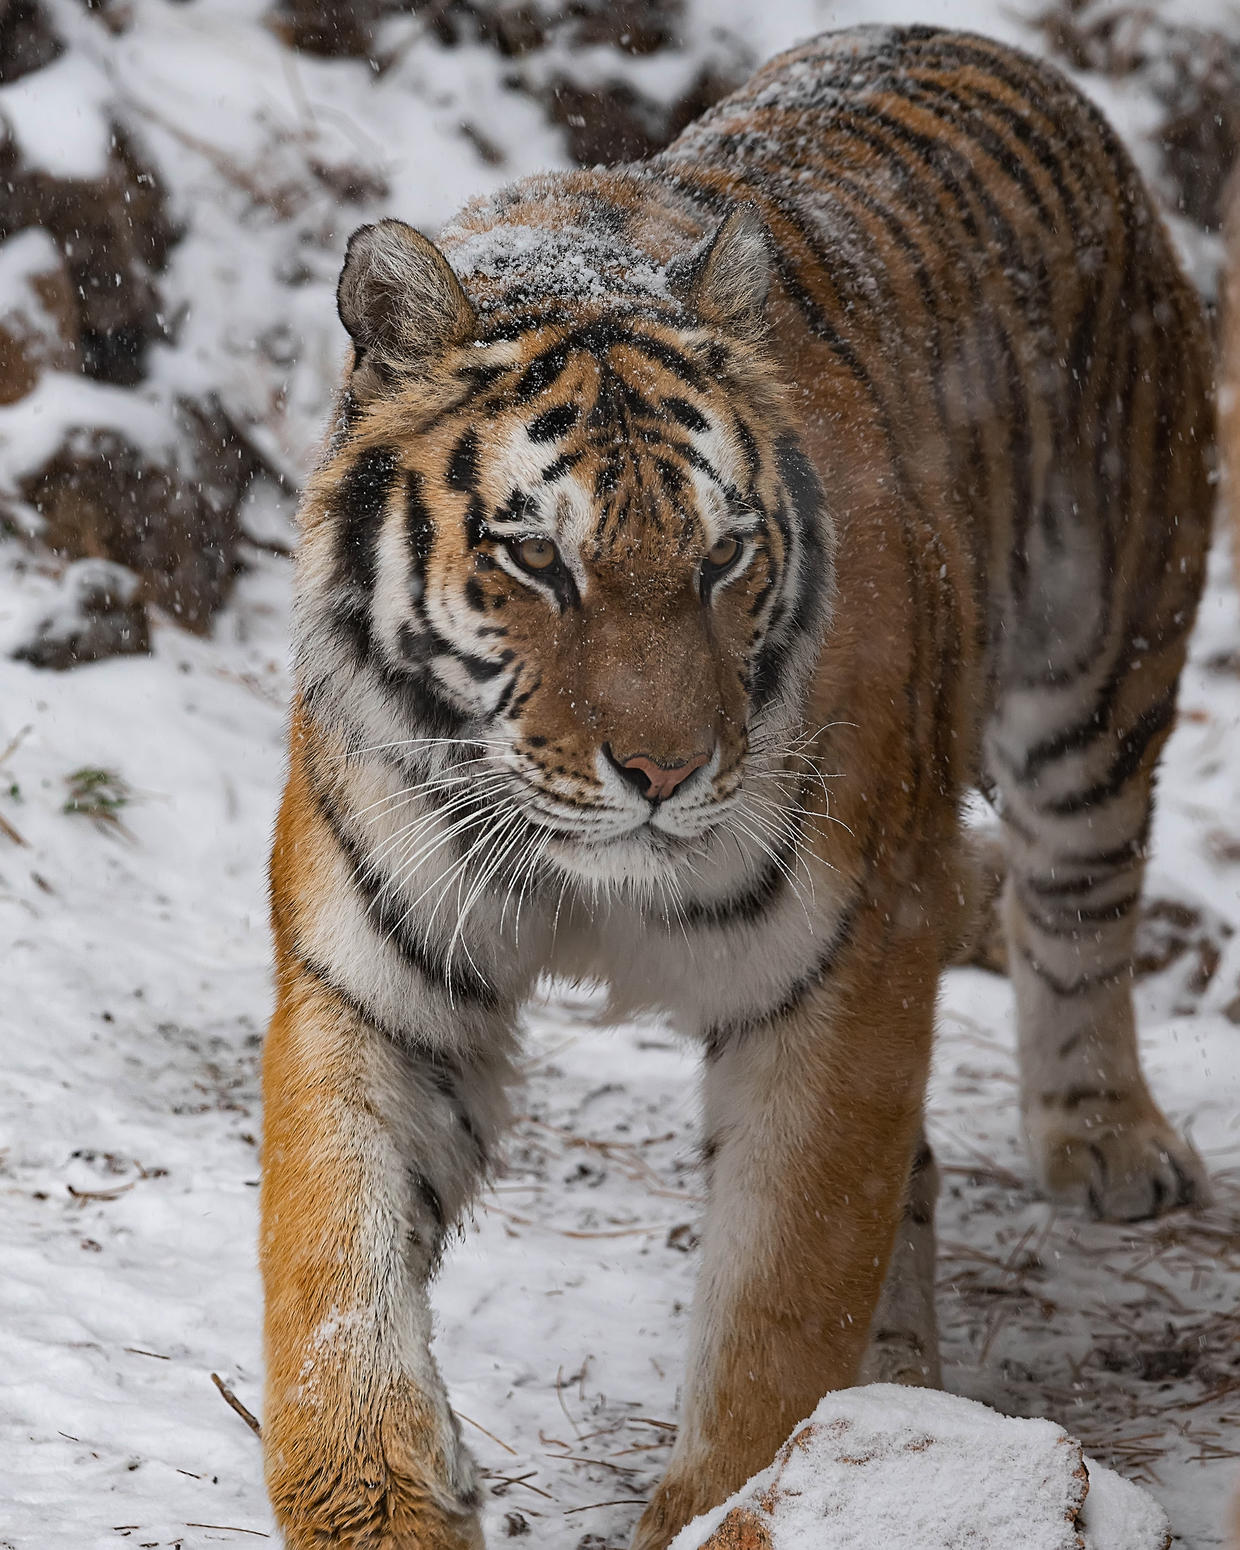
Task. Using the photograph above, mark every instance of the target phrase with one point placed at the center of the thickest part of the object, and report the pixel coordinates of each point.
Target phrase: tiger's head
(573, 536)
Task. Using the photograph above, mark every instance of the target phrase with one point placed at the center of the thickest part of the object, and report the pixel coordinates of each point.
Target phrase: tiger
(692, 540)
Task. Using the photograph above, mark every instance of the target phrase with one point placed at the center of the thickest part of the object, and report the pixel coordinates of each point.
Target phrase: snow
(23, 257)
(885, 1468)
(574, 263)
(34, 427)
(55, 119)
(136, 982)
(1119, 1514)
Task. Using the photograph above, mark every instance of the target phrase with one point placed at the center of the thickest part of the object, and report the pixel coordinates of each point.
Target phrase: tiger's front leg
(811, 1116)
(371, 1150)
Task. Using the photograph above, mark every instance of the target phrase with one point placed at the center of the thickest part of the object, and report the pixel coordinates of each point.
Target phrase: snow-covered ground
(135, 988)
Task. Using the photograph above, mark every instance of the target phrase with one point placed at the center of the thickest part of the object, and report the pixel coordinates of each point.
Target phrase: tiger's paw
(391, 1515)
(902, 1356)
(677, 1500)
(1115, 1156)
(388, 1493)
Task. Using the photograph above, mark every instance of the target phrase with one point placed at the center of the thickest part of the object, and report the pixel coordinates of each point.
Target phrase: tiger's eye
(722, 553)
(536, 553)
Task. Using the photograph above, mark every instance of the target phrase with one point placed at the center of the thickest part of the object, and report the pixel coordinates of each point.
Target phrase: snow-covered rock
(888, 1468)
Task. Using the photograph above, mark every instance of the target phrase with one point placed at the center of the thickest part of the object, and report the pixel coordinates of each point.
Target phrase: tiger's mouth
(641, 855)
(616, 848)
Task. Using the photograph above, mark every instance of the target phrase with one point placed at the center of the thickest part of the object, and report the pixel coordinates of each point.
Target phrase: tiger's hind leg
(1076, 805)
(1101, 574)
(904, 1333)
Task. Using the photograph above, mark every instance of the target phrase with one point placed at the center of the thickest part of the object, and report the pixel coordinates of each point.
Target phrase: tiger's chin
(637, 863)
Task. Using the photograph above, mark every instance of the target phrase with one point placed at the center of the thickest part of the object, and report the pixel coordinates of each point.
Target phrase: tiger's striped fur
(896, 333)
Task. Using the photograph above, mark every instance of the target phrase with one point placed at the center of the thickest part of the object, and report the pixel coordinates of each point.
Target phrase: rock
(114, 234)
(1119, 1515)
(38, 314)
(84, 231)
(170, 517)
(891, 1468)
(604, 120)
(327, 28)
(742, 1529)
(98, 614)
(27, 39)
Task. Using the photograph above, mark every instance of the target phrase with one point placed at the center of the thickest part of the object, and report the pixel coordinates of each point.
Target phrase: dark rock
(634, 26)
(513, 30)
(172, 518)
(99, 614)
(115, 234)
(611, 122)
(328, 28)
(38, 314)
(27, 40)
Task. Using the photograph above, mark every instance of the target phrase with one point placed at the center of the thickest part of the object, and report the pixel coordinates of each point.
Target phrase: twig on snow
(460, 1414)
(231, 1528)
(10, 833)
(620, 1501)
(250, 1420)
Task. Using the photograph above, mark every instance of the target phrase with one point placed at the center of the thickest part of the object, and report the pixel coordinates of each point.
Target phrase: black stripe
(542, 372)
(726, 1035)
(684, 413)
(481, 669)
(410, 693)
(1075, 921)
(749, 444)
(360, 500)
(388, 915)
(1133, 747)
(351, 1004)
(479, 378)
(419, 528)
(463, 464)
(446, 1076)
(1073, 739)
(561, 466)
(1075, 887)
(422, 645)
(1097, 980)
(1076, 1097)
(674, 480)
(552, 423)
(751, 905)
(436, 1068)
(430, 1199)
(804, 549)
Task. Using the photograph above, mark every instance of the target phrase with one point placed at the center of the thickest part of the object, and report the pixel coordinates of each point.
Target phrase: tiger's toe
(1119, 1168)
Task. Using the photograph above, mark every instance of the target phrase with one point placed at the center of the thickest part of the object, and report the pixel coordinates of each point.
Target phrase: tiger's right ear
(399, 299)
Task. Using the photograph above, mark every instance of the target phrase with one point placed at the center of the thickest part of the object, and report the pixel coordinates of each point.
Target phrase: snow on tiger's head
(572, 526)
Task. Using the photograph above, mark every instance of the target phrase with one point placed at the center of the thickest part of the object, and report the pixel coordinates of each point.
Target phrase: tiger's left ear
(399, 299)
(726, 278)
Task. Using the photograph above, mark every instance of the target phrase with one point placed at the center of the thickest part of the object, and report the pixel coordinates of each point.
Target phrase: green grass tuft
(96, 793)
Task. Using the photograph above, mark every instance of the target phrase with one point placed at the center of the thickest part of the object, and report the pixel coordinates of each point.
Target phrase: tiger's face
(591, 555)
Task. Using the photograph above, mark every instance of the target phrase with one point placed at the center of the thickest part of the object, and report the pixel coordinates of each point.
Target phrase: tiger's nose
(654, 780)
